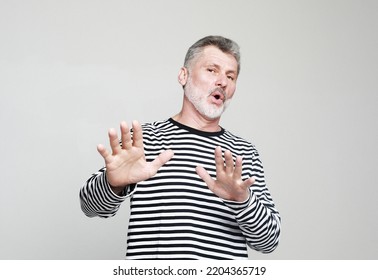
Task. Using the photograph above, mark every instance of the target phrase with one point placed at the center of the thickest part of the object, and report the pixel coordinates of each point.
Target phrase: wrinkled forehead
(211, 55)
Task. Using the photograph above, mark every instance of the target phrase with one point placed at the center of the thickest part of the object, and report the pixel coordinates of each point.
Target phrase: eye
(211, 70)
(232, 78)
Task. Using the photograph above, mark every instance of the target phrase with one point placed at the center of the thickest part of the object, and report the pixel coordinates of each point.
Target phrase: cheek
(201, 81)
(231, 91)
(202, 86)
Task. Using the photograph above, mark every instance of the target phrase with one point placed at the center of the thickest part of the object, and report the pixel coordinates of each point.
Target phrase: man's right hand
(127, 164)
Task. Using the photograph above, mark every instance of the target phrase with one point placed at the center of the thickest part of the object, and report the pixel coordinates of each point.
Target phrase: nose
(221, 81)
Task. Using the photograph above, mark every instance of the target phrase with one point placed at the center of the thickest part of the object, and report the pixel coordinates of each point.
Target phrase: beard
(201, 103)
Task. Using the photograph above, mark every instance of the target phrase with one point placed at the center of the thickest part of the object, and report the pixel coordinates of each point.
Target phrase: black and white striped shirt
(174, 215)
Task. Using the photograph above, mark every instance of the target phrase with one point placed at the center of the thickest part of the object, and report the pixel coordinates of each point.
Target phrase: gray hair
(225, 45)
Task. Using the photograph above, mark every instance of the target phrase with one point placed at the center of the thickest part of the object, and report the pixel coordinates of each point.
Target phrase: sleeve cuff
(240, 206)
(127, 192)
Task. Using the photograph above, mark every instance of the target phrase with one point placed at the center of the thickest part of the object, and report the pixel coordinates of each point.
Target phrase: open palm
(126, 163)
(228, 183)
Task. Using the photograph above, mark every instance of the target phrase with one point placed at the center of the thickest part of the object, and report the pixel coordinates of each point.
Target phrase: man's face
(211, 82)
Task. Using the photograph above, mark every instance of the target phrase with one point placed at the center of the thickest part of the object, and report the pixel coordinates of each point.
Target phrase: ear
(183, 76)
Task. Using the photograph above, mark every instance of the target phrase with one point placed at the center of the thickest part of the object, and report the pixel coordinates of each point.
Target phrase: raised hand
(228, 184)
(126, 164)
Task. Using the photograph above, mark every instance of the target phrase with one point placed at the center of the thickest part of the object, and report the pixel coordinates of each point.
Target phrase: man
(196, 190)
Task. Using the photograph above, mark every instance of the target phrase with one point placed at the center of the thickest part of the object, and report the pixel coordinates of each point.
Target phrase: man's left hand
(228, 184)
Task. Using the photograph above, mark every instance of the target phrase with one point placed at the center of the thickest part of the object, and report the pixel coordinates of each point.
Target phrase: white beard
(201, 103)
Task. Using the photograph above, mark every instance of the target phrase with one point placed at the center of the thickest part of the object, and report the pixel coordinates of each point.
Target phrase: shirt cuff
(240, 206)
(127, 191)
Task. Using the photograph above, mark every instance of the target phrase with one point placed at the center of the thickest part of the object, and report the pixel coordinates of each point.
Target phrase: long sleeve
(258, 218)
(97, 198)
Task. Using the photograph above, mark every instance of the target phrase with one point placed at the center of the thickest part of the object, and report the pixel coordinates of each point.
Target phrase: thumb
(205, 176)
(162, 159)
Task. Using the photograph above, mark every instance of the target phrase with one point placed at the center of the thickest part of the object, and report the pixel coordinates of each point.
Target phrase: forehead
(213, 56)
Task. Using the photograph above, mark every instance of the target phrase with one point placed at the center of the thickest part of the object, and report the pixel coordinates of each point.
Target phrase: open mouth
(218, 95)
(218, 98)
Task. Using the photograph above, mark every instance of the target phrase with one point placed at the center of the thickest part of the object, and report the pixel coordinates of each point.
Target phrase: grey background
(307, 98)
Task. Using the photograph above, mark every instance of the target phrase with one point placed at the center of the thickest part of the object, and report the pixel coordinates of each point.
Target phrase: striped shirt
(174, 215)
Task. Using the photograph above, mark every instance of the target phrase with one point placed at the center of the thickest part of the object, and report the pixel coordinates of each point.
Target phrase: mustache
(219, 90)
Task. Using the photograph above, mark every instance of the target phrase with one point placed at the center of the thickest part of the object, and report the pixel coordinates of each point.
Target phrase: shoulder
(156, 125)
(239, 143)
(158, 128)
(236, 140)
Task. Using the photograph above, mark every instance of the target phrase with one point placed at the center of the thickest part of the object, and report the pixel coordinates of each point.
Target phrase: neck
(192, 118)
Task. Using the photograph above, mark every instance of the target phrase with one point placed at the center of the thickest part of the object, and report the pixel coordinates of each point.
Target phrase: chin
(213, 113)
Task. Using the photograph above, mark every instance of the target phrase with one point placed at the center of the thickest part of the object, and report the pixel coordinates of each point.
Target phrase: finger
(103, 152)
(114, 142)
(125, 136)
(219, 162)
(229, 162)
(137, 135)
(249, 182)
(205, 176)
(162, 159)
(238, 167)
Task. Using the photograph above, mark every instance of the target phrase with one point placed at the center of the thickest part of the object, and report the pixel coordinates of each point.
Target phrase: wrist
(242, 197)
(117, 190)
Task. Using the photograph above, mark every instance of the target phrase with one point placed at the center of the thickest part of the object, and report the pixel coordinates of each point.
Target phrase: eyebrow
(218, 67)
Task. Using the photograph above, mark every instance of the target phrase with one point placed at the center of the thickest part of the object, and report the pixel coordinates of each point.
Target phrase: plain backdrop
(307, 97)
